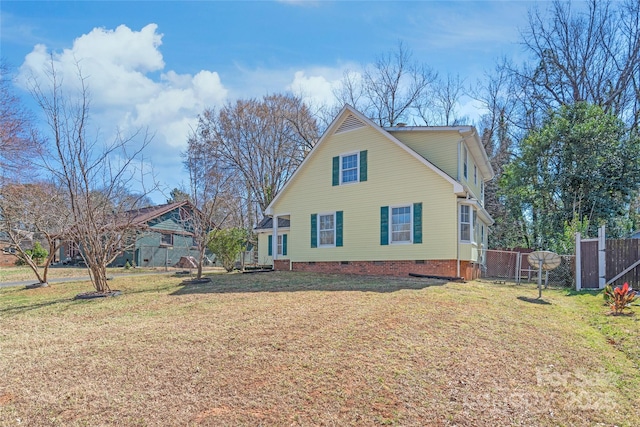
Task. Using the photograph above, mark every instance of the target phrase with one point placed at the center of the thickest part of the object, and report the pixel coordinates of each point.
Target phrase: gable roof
(143, 215)
(350, 119)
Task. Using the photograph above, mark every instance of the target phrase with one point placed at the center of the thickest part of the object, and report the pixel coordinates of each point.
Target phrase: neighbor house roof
(143, 215)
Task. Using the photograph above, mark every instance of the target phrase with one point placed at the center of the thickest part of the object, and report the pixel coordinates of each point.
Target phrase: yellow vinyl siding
(440, 148)
(263, 249)
(394, 178)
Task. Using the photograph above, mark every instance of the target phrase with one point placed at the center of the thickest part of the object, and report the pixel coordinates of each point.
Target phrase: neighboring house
(372, 200)
(164, 237)
(7, 251)
(635, 235)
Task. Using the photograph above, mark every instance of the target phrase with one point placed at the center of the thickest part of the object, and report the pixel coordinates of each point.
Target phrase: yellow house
(373, 200)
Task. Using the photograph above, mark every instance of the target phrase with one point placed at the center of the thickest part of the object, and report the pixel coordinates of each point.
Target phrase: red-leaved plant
(620, 297)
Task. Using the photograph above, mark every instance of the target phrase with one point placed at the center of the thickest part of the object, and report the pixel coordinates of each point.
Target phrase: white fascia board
(477, 151)
(457, 187)
(269, 210)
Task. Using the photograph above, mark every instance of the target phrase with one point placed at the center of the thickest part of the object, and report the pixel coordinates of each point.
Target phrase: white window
(474, 225)
(465, 223)
(279, 244)
(482, 192)
(167, 240)
(349, 168)
(482, 234)
(464, 161)
(327, 230)
(401, 224)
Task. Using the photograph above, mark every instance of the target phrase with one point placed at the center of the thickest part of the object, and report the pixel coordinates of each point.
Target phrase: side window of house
(281, 246)
(349, 168)
(475, 175)
(401, 224)
(326, 229)
(465, 223)
(464, 162)
(167, 239)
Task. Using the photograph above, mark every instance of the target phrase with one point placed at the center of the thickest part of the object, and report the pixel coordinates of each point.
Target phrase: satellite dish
(543, 260)
(546, 259)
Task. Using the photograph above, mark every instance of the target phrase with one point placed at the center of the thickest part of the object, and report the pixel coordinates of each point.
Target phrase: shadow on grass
(534, 300)
(28, 307)
(296, 282)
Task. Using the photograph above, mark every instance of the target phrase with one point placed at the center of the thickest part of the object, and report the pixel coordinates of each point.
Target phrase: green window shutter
(339, 228)
(384, 225)
(270, 253)
(417, 223)
(314, 230)
(336, 170)
(363, 165)
(284, 244)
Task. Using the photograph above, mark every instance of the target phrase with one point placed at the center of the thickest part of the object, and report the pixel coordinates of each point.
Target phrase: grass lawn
(303, 349)
(15, 274)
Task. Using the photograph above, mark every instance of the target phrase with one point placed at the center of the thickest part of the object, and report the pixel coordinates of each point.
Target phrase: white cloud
(118, 67)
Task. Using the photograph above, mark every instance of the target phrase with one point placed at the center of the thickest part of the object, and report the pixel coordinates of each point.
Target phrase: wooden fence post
(578, 264)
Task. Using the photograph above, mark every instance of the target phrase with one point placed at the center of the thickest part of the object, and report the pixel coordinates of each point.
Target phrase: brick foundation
(468, 270)
(282, 265)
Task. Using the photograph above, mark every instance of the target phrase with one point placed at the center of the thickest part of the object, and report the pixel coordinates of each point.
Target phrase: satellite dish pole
(543, 260)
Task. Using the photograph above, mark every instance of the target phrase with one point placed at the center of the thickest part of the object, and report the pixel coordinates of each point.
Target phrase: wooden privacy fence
(604, 261)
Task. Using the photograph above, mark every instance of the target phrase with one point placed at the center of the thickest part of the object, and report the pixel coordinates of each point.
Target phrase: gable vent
(350, 123)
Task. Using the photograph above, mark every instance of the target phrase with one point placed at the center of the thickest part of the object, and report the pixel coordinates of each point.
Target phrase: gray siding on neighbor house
(151, 252)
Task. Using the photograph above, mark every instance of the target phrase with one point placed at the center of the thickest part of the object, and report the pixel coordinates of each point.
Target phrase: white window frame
(469, 222)
(342, 156)
(163, 237)
(279, 244)
(401, 242)
(320, 215)
(465, 157)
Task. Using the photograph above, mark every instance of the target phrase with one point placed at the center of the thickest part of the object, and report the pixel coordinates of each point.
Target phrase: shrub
(227, 245)
(619, 297)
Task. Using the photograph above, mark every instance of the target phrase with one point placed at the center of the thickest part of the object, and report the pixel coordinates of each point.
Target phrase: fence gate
(601, 262)
(589, 263)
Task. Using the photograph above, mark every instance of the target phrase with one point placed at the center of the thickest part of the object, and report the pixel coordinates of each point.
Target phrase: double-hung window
(279, 249)
(327, 230)
(349, 168)
(401, 224)
(465, 223)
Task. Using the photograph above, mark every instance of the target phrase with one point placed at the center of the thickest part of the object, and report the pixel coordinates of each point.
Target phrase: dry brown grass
(303, 349)
(16, 274)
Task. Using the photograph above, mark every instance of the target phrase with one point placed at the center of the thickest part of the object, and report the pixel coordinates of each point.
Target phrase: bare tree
(440, 108)
(19, 140)
(212, 193)
(30, 213)
(263, 141)
(390, 91)
(95, 176)
(591, 56)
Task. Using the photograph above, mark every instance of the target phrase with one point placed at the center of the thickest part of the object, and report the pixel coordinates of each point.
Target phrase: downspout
(457, 239)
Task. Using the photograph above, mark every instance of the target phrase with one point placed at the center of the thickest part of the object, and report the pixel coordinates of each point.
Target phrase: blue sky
(158, 64)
